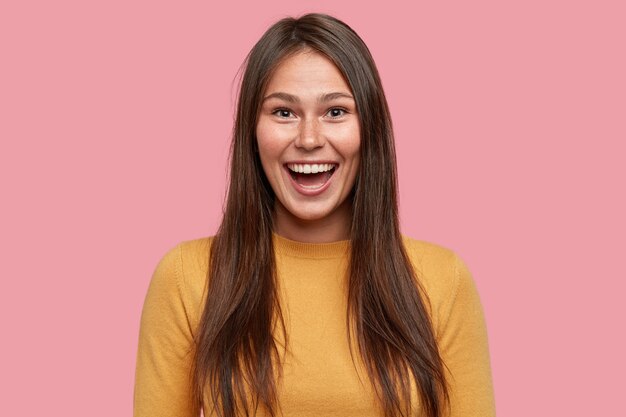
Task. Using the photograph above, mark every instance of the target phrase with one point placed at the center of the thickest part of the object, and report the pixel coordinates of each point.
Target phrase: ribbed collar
(338, 249)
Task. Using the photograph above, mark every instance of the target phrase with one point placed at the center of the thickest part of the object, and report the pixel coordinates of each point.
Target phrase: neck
(331, 228)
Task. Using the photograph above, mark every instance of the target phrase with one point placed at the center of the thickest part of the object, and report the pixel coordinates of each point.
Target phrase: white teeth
(310, 168)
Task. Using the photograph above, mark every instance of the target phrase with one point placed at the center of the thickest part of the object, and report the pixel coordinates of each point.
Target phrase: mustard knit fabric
(319, 376)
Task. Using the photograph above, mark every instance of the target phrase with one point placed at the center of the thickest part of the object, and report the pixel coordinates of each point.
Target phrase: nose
(309, 135)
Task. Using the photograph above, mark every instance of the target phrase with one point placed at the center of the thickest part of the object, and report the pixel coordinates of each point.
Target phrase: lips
(310, 179)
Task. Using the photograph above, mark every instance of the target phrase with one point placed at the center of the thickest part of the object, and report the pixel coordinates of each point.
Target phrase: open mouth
(311, 176)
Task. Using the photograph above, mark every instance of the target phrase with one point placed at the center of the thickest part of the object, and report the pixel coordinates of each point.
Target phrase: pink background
(510, 123)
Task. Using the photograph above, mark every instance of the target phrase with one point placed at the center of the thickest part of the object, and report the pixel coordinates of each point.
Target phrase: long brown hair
(235, 349)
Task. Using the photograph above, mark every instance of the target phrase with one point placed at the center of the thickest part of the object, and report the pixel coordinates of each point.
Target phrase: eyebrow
(322, 98)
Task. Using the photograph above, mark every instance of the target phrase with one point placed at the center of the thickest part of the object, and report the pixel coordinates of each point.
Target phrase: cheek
(351, 145)
(352, 152)
(264, 138)
(269, 147)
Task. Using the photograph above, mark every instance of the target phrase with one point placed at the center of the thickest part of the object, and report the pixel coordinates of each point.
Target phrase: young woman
(308, 301)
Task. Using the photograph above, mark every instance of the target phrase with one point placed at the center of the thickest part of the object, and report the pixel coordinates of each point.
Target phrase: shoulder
(187, 257)
(433, 263)
(195, 254)
(423, 252)
(441, 273)
(186, 266)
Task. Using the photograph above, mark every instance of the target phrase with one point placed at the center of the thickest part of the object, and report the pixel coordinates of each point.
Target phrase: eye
(336, 112)
(282, 113)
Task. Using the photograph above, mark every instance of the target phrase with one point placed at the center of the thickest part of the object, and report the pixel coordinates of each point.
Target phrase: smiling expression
(308, 139)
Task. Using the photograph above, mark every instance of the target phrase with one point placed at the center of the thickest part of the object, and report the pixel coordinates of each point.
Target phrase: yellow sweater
(320, 378)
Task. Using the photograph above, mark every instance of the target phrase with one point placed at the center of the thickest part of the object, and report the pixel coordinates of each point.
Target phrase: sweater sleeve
(465, 351)
(165, 351)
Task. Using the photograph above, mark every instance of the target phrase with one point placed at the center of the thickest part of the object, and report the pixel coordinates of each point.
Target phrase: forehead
(307, 72)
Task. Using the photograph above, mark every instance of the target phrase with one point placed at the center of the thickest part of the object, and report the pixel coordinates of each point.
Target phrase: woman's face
(308, 139)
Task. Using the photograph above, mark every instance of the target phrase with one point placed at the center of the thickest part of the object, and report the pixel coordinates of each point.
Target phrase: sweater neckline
(337, 249)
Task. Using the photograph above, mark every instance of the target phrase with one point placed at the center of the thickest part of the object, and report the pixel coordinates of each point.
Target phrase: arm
(464, 348)
(165, 354)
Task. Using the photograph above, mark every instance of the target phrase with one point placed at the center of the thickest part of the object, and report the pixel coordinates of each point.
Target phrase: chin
(311, 215)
